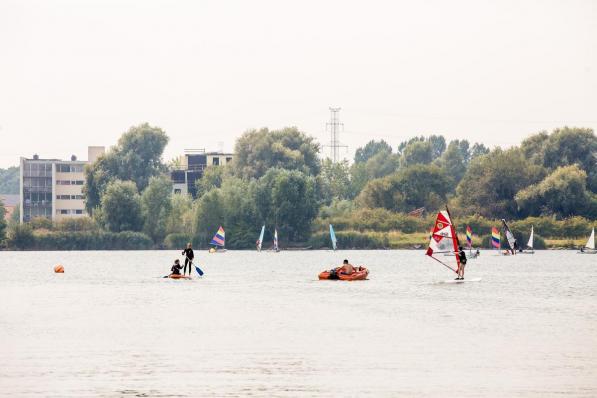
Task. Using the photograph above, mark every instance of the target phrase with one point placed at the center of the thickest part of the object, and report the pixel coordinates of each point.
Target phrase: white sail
(333, 237)
(276, 240)
(260, 240)
(444, 240)
(531, 238)
(591, 242)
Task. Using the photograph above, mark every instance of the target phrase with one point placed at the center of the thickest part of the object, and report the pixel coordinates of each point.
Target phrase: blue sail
(333, 237)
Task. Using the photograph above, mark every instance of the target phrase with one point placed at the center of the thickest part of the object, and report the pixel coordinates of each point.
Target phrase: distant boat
(589, 247)
(530, 249)
(496, 239)
(469, 242)
(276, 248)
(260, 240)
(218, 241)
(333, 237)
(510, 237)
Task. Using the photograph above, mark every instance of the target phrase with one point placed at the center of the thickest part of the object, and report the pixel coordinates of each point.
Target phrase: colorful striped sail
(495, 237)
(219, 238)
(469, 236)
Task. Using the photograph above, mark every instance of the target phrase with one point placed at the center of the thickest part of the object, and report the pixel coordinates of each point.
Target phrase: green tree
(437, 144)
(334, 181)
(455, 160)
(20, 236)
(382, 164)
(136, 157)
(9, 181)
(256, 151)
(2, 223)
(410, 188)
(156, 206)
(478, 150)
(294, 203)
(212, 178)
(371, 149)
(182, 215)
(121, 207)
(563, 147)
(562, 193)
(492, 180)
(418, 152)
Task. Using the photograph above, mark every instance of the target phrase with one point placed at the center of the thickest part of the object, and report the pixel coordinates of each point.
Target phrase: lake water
(262, 325)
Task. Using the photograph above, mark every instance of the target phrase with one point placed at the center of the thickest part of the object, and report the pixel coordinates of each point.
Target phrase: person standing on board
(462, 257)
(189, 256)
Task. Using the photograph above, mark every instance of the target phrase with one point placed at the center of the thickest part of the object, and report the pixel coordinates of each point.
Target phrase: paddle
(199, 271)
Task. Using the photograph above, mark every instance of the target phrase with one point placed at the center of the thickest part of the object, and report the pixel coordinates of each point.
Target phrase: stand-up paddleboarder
(189, 256)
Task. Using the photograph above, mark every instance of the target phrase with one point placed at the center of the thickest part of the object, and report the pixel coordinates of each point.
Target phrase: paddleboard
(461, 280)
(179, 277)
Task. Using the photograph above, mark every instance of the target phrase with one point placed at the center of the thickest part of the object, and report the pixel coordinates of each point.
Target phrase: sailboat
(445, 240)
(333, 237)
(589, 247)
(529, 249)
(469, 242)
(218, 241)
(510, 238)
(260, 240)
(495, 239)
(276, 248)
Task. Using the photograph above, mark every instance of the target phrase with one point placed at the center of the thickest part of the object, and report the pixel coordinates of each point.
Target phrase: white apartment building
(53, 188)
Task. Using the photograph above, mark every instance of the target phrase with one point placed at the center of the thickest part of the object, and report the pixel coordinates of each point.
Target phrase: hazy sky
(77, 73)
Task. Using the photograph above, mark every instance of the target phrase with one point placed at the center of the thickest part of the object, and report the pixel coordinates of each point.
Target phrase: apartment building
(53, 188)
(191, 166)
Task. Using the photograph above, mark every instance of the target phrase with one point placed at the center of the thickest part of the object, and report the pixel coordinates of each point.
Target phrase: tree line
(277, 178)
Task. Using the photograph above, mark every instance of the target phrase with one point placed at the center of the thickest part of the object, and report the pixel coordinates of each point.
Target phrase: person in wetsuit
(176, 268)
(189, 256)
(462, 257)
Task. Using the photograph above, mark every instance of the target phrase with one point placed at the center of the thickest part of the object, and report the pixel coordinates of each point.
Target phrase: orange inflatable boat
(178, 276)
(359, 274)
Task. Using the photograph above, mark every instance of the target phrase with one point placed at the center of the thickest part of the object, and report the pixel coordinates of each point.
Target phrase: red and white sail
(444, 240)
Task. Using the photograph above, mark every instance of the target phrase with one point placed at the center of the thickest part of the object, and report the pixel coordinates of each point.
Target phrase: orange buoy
(59, 269)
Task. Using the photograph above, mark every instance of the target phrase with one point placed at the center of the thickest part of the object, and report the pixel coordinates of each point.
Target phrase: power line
(334, 126)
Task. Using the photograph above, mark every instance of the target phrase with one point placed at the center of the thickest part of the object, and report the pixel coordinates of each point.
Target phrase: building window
(78, 182)
(228, 160)
(177, 191)
(215, 161)
(78, 211)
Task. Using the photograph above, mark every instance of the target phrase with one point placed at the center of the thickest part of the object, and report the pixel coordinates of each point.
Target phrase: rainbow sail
(219, 238)
(469, 236)
(495, 238)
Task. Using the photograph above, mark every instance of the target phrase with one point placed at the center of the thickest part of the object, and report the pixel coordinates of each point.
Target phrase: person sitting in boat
(462, 257)
(347, 268)
(176, 267)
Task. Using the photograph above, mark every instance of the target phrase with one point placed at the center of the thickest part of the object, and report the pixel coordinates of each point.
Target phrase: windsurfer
(462, 258)
(189, 256)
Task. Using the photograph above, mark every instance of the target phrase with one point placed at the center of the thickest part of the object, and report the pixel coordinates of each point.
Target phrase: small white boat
(589, 247)
(529, 249)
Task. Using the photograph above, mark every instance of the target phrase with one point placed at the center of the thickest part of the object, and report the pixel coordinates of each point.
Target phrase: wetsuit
(176, 269)
(189, 256)
(462, 256)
